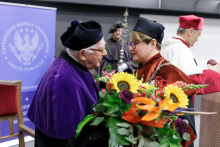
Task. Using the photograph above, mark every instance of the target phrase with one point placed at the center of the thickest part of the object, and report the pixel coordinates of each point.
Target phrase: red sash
(183, 41)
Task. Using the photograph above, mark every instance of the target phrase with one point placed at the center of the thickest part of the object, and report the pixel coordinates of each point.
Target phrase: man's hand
(122, 67)
(215, 67)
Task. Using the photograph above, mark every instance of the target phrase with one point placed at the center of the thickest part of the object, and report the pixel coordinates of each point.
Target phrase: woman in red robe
(145, 45)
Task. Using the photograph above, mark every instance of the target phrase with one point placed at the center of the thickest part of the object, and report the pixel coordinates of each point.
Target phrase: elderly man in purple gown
(67, 91)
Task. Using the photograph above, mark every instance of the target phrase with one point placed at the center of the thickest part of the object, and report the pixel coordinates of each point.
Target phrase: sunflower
(124, 81)
(176, 95)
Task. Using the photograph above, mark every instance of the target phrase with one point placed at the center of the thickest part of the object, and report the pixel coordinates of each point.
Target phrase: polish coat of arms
(25, 48)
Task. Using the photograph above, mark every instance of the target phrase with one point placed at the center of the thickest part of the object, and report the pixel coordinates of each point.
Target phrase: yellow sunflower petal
(172, 91)
(127, 80)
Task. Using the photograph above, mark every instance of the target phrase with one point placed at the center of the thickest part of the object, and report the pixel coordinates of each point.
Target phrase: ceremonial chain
(158, 68)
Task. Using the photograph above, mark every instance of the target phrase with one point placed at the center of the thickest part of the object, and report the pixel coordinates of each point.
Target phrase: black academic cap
(82, 35)
(116, 25)
(150, 28)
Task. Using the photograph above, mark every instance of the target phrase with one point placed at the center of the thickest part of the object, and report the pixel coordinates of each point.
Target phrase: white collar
(177, 36)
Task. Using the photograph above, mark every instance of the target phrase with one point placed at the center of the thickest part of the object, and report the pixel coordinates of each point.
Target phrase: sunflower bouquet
(140, 114)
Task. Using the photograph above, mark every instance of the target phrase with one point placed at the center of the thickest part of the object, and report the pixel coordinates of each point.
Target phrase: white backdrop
(207, 46)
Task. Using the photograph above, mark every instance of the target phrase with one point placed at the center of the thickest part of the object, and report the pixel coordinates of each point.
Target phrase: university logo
(25, 46)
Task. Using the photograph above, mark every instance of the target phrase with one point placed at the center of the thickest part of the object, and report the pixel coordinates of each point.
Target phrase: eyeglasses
(197, 33)
(133, 44)
(99, 50)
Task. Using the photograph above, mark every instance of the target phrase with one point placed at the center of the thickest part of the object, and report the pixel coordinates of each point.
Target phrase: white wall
(207, 46)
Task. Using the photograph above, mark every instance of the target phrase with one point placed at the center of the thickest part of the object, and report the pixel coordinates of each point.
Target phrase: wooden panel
(210, 124)
(215, 97)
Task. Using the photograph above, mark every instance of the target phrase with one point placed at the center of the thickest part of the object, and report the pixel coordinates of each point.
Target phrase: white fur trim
(180, 55)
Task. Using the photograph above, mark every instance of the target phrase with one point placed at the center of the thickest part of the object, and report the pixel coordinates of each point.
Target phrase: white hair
(87, 50)
(72, 52)
(183, 30)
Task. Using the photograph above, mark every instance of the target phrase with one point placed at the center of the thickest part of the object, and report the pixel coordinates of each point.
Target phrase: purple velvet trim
(113, 55)
(107, 58)
(74, 23)
(130, 59)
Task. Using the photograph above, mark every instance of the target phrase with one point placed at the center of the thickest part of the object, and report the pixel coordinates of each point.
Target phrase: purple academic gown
(63, 98)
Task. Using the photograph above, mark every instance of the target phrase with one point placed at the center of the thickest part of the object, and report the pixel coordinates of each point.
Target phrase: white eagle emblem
(26, 46)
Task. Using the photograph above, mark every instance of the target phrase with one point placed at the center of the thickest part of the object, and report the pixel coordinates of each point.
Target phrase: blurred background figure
(113, 46)
(177, 51)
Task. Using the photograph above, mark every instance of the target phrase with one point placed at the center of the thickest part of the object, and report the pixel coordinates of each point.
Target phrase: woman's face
(140, 50)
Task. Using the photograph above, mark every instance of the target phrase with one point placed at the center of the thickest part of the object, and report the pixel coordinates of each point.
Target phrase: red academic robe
(207, 77)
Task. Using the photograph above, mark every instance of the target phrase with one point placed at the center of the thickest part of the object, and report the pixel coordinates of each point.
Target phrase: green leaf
(108, 68)
(124, 125)
(112, 92)
(154, 144)
(174, 118)
(164, 140)
(125, 106)
(152, 94)
(175, 137)
(102, 94)
(116, 138)
(186, 136)
(157, 119)
(169, 132)
(141, 143)
(139, 137)
(164, 118)
(111, 103)
(106, 125)
(186, 121)
(145, 134)
(131, 139)
(112, 109)
(152, 129)
(112, 114)
(176, 141)
(97, 121)
(173, 145)
(99, 108)
(83, 123)
(98, 76)
(161, 132)
(113, 98)
(165, 144)
(122, 131)
(100, 100)
(140, 128)
(120, 113)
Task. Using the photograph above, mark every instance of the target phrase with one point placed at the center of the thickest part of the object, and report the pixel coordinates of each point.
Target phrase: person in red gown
(145, 45)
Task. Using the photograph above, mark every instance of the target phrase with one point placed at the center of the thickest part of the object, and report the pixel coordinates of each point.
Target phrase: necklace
(157, 69)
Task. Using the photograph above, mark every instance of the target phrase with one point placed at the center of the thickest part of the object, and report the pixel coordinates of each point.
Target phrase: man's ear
(82, 54)
(190, 31)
